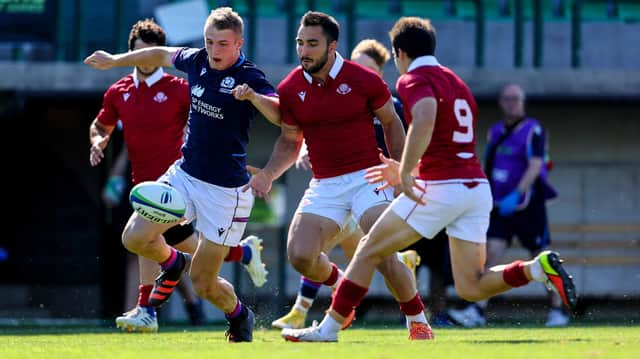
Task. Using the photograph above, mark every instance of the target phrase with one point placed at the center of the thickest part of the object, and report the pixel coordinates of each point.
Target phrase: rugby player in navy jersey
(225, 91)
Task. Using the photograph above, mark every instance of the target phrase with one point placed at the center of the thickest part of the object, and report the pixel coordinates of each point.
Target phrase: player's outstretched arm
(285, 152)
(394, 135)
(155, 56)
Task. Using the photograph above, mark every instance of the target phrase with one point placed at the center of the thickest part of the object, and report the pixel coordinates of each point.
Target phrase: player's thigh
(347, 238)
(368, 203)
(349, 244)
(309, 234)
(389, 234)
(329, 198)
(139, 229)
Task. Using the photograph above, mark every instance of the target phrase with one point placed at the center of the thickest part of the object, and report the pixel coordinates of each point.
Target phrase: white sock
(537, 273)
(420, 318)
(329, 326)
(303, 304)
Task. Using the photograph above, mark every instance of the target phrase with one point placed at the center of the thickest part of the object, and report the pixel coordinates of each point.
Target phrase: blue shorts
(529, 225)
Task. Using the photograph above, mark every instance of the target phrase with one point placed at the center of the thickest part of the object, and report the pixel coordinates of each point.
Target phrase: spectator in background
(516, 164)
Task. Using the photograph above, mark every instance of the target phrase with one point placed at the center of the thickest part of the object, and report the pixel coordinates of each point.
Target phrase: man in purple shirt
(515, 162)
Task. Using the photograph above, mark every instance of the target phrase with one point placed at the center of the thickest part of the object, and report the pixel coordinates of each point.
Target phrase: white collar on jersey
(155, 77)
(335, 69)
(423, 61)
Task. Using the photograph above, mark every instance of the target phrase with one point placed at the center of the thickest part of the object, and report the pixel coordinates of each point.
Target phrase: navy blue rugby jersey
(219, 125)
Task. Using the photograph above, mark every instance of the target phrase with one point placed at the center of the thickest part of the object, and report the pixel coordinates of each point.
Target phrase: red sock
(347, 296)
(412, 307)
(513, 274)
(234, 255)
(144, 291)
(333, 277)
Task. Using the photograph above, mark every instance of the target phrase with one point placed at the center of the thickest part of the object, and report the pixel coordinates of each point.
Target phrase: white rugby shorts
(461, 207)
(222, 213)
(338, 197)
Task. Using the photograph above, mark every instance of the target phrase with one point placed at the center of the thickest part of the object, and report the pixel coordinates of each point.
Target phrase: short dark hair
(330, 26)
(149, 32)
(414, 35)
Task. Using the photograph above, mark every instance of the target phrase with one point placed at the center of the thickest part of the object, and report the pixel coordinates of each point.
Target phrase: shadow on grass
(71, 330)
(528, 341)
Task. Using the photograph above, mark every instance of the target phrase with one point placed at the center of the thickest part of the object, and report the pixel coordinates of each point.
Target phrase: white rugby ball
(157, 202)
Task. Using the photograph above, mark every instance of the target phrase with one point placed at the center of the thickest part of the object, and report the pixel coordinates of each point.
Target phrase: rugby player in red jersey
(450, 191)
(331, 102)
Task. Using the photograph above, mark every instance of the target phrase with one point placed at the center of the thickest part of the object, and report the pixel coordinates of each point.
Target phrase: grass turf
(177, 342)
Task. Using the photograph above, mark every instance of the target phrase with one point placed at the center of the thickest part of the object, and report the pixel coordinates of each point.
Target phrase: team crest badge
(227, 83)
(160, 97)
(343, 89)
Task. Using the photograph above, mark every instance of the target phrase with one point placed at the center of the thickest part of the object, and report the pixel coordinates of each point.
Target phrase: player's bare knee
(302, 262)
(133, 240)
(469, 293)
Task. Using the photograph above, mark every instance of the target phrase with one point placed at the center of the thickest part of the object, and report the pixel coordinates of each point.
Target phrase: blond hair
(224, 18)
(374, 49)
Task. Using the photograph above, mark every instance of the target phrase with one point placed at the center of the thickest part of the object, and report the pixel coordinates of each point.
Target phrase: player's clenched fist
(101, 60)
(243, 92)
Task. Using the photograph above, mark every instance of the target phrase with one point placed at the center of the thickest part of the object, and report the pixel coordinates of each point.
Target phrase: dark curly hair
(149, 32)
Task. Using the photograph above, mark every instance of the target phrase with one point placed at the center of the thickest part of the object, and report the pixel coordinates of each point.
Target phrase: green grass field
(175, 342)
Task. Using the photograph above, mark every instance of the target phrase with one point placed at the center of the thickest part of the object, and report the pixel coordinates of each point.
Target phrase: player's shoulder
(250, 69)
(173, 79)
(123, 84)
(294, 77)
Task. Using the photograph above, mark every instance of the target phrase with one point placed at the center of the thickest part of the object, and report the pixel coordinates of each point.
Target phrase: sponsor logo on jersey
(197, 90)
(125, 96)
(160, 97)
(343, 89)
(302, 94)
(227, 83)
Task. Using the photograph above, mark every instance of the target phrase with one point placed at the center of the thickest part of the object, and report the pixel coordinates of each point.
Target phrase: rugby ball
(157, 202)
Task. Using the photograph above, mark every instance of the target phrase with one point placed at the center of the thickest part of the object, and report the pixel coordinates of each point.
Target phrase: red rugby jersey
(452, 151)
(154, 115)
(336, 117)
